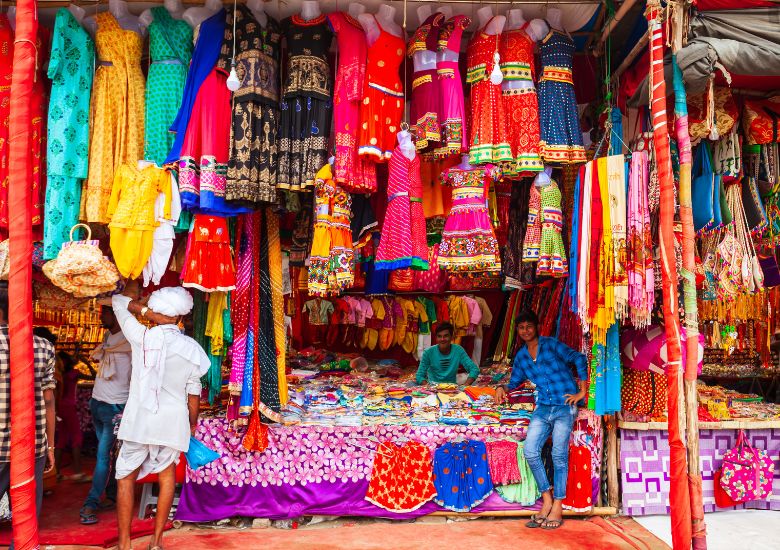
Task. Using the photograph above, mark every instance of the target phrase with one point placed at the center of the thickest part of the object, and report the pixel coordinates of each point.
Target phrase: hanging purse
(726, 216)
(702, 190)
(755, 214)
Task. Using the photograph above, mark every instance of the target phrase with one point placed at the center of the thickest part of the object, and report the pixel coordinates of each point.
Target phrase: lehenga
(252, 164)
(307, 106)
(117, 112)
(461, 475)
(426, 122)
(452, 110)
(561, 138)
(468, 241)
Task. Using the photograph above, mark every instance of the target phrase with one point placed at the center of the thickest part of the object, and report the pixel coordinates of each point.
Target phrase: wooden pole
(613, 497)
(595, 511)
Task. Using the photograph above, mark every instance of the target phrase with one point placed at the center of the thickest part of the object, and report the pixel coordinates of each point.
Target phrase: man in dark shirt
(547, 363)
(44, 405)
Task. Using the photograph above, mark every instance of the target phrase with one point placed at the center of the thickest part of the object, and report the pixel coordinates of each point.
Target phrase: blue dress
(461, 475)
(561, 137)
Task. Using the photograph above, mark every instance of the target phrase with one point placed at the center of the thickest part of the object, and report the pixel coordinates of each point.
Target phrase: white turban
(172, 301)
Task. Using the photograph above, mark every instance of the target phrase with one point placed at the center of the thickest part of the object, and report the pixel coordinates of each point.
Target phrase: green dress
(71, 67)
(170, 45)
(526, 492)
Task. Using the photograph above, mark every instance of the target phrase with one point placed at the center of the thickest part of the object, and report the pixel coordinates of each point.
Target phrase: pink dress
(451, 107)
(402, 244)
(425, 86)
(352, 173)
(468, 242)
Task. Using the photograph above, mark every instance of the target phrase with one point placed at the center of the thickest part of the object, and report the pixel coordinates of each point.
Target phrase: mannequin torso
(425, 60)
(198, 14)
(384, 17)
(488, 23)
(78, 12)
(174, 7)
(514, 19)
(127, 20)
(555, 18)
(310, 9)
(257, 7)
(356, 10)
(406, 145)
(535, 30)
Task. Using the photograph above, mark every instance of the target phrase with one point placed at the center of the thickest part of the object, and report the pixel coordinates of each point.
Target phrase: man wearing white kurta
(162, 408)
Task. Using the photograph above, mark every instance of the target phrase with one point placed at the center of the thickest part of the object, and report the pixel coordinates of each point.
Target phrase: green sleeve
(470, 366)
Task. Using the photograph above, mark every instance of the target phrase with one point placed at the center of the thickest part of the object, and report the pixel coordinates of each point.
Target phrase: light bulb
(233, 83)
(496, 77)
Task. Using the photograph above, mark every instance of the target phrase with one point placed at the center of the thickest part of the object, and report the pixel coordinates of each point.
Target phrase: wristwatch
(144, 310)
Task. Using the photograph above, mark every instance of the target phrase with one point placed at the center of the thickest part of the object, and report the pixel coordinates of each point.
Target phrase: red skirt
(209, 264)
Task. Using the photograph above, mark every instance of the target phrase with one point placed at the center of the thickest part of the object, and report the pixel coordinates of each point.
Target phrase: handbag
(703, 190)
(755, 213)
(726, 215)
(747, 473)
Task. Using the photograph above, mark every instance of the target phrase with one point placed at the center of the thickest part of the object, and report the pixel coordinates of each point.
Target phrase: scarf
(605, 307)
(574, 243)
(585, 238)
(641, 279)
(239, 311)
(616, 180)
(596, 237)
(104, 355)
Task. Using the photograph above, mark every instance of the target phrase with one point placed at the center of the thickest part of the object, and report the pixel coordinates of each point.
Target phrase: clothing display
(520, 102)
(561, 137)
(383, 97)
(354, 173)
(461, 475)
(526, 492)
(426, 99)
(488, 141)
(170, 49)
(67, 153)
(253, 159)
(468, 241)
(402, 477)
(452, 110)
(552, 254)
(117, 108)
(402, 244)
(307, 104)
(209, 264)
(502, 458)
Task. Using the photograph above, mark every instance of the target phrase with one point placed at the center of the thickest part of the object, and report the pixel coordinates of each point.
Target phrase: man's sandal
(87, 518)
(552, 524)
(536, 521)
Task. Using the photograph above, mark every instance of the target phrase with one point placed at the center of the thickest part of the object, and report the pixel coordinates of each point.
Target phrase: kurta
(117, 110)
(71, 67)
(185, 363)
(170, 47)
(252, 167)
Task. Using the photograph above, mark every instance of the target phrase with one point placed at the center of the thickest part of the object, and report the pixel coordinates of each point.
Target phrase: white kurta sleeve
(131, 328)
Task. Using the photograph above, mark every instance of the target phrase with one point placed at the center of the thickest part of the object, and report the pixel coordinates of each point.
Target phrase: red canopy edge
(22, 371)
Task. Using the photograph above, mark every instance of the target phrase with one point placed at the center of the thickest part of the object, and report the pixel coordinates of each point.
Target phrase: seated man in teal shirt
(439, 364)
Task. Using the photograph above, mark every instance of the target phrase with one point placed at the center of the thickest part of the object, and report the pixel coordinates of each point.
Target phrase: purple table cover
(308, 470)
(644, 464)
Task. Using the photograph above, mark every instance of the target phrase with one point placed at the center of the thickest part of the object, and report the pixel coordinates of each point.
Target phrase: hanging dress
(402, 244)
(452, 109)
(425, 104)
(552, 254)
(526, 491)
(354, 173)
(71, 68)
(38, 131)
(468, 240)
(383, 97)
(461, 475)
(209, 266)
(252, 168)
(520, 102)
(206, 147)
(401, 477)
(117, 112)
(307, 106)
(488, 141)
(561, 138)
(170, 47)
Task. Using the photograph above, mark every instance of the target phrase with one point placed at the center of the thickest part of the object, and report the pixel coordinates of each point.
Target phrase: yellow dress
(131, 211)
(117, 113)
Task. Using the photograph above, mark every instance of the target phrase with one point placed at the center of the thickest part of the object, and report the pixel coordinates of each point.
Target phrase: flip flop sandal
(88, 518)
(536, 521)
(551, 524)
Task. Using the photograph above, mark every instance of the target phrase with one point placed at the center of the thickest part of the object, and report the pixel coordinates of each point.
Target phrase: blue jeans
(102, 480)
(558, 421)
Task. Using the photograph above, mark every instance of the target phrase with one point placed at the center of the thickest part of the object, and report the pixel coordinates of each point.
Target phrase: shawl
(616, 180)
(215, 322)
(104, 356)
(275, 262)
(239, 311)
(605, 309)
(596, 237)
(574, 243)
(641, 279)
(585, 238)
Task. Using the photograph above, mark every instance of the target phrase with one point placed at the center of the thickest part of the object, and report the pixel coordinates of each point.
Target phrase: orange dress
(383, 97)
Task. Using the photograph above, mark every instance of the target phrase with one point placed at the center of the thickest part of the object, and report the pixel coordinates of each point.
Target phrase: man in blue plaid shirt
(548, 363)
(44, 405)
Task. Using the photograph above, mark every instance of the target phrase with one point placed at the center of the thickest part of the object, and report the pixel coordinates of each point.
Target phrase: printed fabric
(502, 458)
(402, 478)
(461, 475)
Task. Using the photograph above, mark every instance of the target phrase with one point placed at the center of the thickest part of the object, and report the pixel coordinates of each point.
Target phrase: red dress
(383, 97)
(403, 241)
(209, 265)
(521, 104)
(402, 477)
(38, 105)
(579, 485)
(353, 173)
(488, 142)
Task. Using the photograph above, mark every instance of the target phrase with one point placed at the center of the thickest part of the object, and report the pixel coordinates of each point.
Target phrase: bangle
(49, 448)
(144, 310)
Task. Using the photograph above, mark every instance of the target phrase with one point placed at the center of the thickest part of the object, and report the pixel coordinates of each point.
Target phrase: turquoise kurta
(170, 45)
(71, 67)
